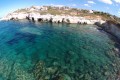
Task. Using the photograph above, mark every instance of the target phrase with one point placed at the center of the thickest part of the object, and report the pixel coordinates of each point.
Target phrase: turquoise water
(34, 51)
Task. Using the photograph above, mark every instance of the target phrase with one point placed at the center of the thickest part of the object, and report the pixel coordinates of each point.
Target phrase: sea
(52, 51)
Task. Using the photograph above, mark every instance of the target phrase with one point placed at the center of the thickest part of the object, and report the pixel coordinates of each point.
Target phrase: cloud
(117, 1)
(91, 2)
(106, 1)
(87, 5)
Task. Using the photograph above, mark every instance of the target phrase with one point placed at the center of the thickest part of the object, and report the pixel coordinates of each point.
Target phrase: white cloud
(91, 2)
(117, 1)
(87, 5)
(106, 1)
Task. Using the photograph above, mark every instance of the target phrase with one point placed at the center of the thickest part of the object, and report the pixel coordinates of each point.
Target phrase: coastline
(34, 14)
(56, 15)
(52, 18)
(68, 55)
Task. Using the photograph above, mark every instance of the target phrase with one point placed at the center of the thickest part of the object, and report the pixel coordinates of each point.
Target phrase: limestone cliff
(60, 14)
(113, 28)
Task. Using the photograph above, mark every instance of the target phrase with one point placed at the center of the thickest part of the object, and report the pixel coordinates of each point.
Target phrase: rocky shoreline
(34, 14)
(51, 18)
(113, 30)
(56, 15)
(111, 27)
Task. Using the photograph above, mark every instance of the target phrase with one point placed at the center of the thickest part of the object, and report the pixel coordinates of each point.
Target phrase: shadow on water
(29, 38)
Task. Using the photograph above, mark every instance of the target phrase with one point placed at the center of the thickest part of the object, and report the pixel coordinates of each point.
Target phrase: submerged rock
(116, 49)
(76, 55)
(87, 77)
(39, 70)
(47, 77)
(62, 77)
(52, 70)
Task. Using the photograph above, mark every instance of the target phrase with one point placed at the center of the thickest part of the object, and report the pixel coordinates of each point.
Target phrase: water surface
(34, 51)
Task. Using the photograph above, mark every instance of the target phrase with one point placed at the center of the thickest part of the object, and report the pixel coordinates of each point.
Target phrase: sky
(109, 6)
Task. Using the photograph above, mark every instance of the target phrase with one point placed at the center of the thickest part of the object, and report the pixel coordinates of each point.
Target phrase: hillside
(61, 14)
(43, 10)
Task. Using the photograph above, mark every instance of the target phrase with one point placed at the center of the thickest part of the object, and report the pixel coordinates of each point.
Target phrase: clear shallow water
(33, 51)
